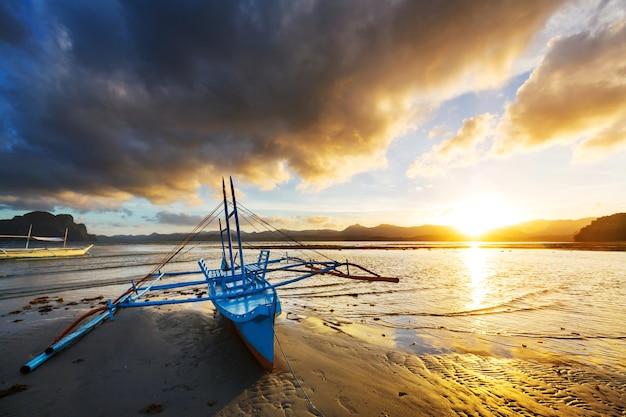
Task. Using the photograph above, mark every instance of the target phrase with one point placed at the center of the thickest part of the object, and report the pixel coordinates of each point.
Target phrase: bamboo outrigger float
(240, 292)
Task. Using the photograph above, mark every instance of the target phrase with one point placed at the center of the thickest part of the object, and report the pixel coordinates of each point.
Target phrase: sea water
(570, 303)
(566, 302)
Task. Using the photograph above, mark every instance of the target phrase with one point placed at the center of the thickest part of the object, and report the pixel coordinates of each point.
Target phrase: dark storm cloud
(155, 98)
(12, 29)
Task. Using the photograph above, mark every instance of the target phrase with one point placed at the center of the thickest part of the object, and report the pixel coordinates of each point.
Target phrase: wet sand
(183, 361)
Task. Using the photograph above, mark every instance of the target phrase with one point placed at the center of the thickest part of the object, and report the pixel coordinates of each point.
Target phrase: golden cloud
(464, 149)
(576, 97)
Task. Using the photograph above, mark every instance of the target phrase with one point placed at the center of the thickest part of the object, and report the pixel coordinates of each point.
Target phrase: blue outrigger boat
(241, 292)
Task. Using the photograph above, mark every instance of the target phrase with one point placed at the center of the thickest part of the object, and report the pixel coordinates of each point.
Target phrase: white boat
(41, 252)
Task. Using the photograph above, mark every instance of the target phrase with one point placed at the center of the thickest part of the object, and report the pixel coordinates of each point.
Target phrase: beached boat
(28, 252)
(240, 290)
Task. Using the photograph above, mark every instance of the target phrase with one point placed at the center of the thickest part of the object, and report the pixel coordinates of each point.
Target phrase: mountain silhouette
(46, 224)
(604, 229)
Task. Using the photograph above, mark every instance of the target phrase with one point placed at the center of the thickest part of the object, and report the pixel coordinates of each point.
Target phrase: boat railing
(227, 282)
(256, 271)
(234, 282)
(204, 269)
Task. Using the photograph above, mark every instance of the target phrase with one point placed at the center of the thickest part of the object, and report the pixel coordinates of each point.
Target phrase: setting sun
(478, 216)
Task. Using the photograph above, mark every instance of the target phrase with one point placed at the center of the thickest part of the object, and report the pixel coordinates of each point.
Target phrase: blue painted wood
(247, 300)
(241, 293)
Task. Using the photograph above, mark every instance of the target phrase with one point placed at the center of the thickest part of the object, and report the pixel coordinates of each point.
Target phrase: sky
(475, 114)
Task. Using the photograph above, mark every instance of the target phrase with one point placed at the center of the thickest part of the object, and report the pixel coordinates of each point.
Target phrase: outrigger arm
(131, 298)
(246, 280)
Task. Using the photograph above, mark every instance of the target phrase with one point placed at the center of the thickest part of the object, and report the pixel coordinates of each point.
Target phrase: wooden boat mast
(30, 236)
(227, 217)
(30, 229)
(227, 230)
(236, 213)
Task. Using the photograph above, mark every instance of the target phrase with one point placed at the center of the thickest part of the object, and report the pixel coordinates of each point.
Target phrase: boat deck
(251, 293)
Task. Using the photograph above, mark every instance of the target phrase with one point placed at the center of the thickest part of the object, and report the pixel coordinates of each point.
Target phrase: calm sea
(568, 303)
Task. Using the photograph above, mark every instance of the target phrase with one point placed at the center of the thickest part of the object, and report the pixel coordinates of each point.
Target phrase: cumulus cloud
(81, 203)
(577, 93)
(184, 219)
(320, 221)
(298, 222)
(154, 99)
(466, 148)
(576, 97)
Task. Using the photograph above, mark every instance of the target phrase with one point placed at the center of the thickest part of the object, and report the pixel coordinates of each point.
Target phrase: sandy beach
(186, 361)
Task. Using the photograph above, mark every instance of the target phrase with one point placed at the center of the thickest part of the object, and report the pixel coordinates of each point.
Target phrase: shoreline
(400, 245)
(185, 361)
(407, 245)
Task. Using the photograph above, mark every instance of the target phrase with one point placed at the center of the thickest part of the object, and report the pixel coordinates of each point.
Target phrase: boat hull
(258, 336)
(30, 253)
(255, 324)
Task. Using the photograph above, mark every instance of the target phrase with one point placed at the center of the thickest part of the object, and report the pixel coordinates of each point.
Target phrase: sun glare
(477, 217)
(475, 260)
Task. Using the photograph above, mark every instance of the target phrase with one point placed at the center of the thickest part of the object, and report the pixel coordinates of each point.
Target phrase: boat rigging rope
(208, 219)
(275, 231)
(317, 410)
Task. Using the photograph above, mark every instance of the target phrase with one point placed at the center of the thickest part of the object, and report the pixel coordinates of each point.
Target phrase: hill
(46, 224)
(610, 228)
(534, 231)
(390, 233)
(383, 232)
(604, 229)
(539, 231)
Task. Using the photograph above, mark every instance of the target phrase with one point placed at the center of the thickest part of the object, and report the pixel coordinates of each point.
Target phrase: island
(604, 229)
(46, 224)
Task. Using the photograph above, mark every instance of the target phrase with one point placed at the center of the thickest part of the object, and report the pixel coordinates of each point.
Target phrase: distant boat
(240, 292)
(41, 252)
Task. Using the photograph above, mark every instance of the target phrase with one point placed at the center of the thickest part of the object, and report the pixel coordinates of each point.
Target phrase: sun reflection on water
(475, 260)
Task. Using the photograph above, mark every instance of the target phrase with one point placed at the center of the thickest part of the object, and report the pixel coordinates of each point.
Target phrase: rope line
(207, 220)
(317, 410)
(278, 232)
